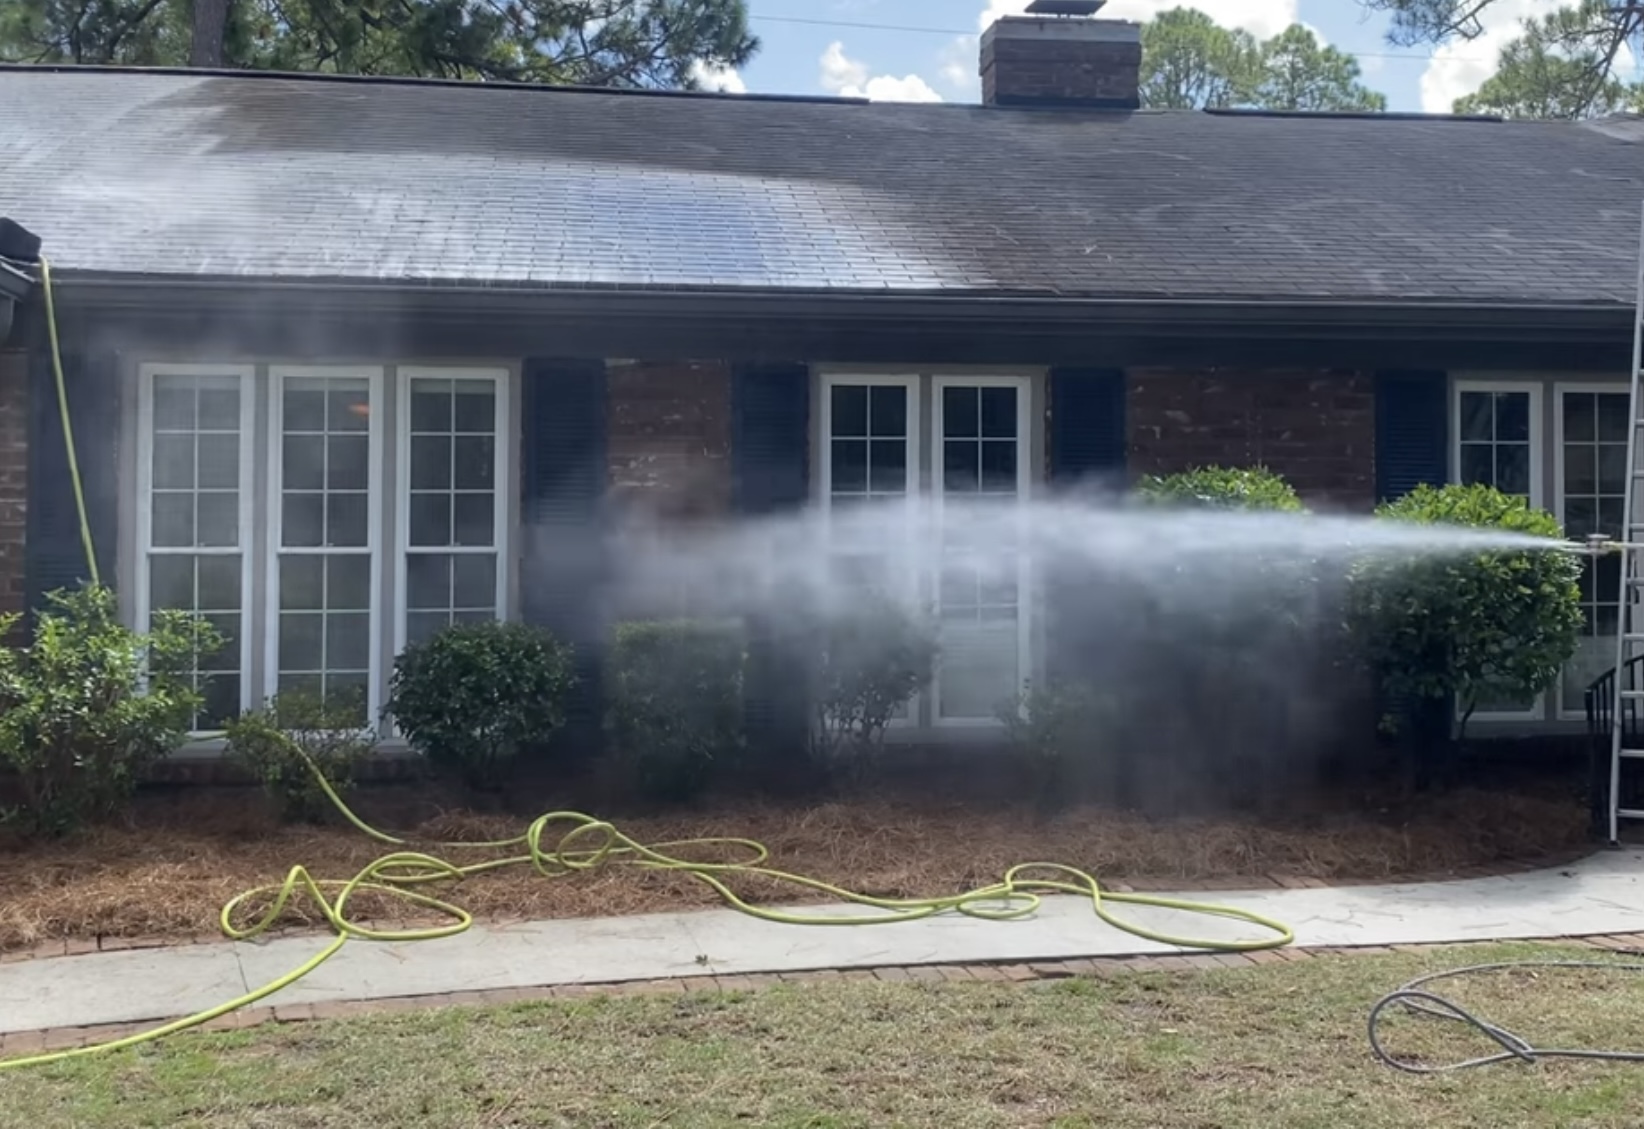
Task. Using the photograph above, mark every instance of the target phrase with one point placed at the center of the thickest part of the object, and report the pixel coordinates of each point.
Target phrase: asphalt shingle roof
(199, 174)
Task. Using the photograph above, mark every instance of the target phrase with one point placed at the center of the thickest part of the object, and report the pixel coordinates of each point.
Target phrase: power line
(860, 25)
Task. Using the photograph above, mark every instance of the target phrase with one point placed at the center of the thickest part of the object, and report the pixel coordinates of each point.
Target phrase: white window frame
(273, 500)
(501, 380)
(1025, 602)
(913, 472)
(1559, 388)
(1538, 446)
(141, 612)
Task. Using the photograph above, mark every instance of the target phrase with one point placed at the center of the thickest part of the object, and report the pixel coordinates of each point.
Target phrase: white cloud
(850, 78)
(1262, 18)
(724, 79)
(1461, 66)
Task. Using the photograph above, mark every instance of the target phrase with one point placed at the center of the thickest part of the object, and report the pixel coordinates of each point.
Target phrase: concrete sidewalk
(1603, 894)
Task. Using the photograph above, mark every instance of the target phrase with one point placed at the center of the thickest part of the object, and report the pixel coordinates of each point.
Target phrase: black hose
(1415, 999)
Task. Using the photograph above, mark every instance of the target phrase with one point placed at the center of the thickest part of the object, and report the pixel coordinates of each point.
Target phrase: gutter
(1012, 313)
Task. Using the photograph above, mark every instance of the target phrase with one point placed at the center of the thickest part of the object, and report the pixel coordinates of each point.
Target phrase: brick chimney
(1057, 55)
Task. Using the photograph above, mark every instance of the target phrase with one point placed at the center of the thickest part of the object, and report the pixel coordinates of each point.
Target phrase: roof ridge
(412, 80)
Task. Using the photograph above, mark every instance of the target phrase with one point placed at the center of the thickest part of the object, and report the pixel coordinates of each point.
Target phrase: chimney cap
(1065, 7)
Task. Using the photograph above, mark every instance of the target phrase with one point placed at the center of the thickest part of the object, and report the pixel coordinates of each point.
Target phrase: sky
(926, 50)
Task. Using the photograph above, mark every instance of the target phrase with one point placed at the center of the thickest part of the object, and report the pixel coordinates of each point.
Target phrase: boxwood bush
(474, 695)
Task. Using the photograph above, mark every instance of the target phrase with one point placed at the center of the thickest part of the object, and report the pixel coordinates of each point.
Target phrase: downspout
(19, 249)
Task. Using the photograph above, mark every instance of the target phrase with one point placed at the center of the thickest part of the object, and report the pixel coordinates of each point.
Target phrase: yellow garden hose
(584, 843)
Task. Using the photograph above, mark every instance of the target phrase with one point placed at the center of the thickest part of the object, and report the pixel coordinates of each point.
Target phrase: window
(193, 517)
(262, 503)
(1498, 439)
(976, 456)
(1592, 490)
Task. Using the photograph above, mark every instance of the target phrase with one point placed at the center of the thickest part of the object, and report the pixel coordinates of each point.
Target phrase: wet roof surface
(202, 174)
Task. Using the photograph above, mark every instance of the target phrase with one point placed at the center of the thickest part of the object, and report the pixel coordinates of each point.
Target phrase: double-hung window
(268, 498)
(962, 443)
(1591, 460)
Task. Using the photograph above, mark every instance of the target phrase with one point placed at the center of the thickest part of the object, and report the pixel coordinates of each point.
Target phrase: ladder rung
(1630, 813)
(1632, 754)
(1632, 695)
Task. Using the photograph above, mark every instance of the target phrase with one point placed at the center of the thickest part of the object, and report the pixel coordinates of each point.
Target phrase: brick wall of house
(1316, 428)
(670, 437)
(14, 451)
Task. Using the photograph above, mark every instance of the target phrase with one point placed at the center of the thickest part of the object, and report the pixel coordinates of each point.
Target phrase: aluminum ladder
(1630, 628)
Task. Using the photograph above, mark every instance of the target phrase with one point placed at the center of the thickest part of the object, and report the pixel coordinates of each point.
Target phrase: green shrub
(472, 696)
(1221, 488)
(1475, 627)
(90, 704)
(286, 742)
(1054, 730)
(870, 662)
(674, 704)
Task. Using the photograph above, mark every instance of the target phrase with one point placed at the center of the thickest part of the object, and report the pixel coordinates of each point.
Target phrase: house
(482, 308)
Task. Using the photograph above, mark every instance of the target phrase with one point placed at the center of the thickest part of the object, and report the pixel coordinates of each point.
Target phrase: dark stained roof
(154, 173)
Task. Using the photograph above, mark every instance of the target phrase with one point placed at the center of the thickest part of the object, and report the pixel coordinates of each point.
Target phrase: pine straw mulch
(169, 873)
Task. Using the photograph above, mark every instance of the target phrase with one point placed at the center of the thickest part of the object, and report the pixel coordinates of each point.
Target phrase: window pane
(303, 520)
(890, 411)
(475, 407)
(347, 520)
(850, 465)
(172, 520)
(348, 408)
(850, 410)
(476, 460)
(430, 519)
(430, 405)
(348, 581)
(218, 520)
(304, 406)
(347, 641)
(1612, 469)
(960, 412)
(1512, 417)
(1513, 468)
(1477, 416)
(302, 582)
(307, 685)
(961, 467)
(1612, 417)
(174, 462)
(219, 409)
(431, 462)
(890, 466)
(428, 580)
(219, 580)
(174, 403)
(1609, 517)
(1580, 468)
(219, 467)
(999, 413)
(302, 641)
(222, 702)
(979, 669)
(1478, 464)
(171, 582)
(475, 518)
(474, 583)
(1580, 516)
(999, 467)
(348, 462)
(302, 462)
(226, 657)
(1580, 424)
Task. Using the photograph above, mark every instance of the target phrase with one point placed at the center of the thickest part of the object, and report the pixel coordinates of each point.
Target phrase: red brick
(987, 972)
(926, 974)
(21, 1044)
(892, 975)
(293, 1013)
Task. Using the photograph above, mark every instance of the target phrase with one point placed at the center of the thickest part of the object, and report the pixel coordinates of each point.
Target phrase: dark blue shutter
(1087, 447)
(1412, 432)
(563, 477)
(55, 555)
(770, 459)
(1087, 426)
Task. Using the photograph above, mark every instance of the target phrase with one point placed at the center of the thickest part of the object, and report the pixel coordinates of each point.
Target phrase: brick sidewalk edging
(81, 946)
(24, 1043)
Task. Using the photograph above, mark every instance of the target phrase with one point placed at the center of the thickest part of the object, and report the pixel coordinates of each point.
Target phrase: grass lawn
(1275, 1046)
